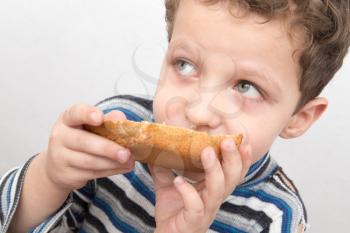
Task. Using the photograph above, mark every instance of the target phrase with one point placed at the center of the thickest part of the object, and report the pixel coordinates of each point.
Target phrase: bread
(160, 144)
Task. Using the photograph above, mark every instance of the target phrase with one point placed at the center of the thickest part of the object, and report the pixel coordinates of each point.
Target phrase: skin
(213, 91)
(73, 157)
(227, 75)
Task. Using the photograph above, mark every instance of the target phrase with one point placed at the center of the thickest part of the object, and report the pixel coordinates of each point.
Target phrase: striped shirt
(266, 201)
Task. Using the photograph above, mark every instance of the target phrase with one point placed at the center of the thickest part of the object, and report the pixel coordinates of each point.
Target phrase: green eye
(244, 87)
(185, 68)
(248, 89)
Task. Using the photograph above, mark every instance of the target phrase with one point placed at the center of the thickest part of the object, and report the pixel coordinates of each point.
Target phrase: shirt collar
(259, 171)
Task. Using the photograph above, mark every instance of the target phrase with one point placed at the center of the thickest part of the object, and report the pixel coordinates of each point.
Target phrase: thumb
(114, 116)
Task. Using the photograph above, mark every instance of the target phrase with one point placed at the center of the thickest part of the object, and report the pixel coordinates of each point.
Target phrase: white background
(56, 53)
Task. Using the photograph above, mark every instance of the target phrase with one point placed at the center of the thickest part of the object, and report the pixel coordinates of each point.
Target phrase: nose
(208, 103)
(198, 111)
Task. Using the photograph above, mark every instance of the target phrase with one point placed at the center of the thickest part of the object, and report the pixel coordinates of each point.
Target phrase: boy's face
(228, 75)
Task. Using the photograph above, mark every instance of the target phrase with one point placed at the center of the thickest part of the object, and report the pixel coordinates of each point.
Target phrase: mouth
(189, 126)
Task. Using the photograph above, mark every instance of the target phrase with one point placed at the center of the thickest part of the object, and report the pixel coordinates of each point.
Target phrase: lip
(202, 129)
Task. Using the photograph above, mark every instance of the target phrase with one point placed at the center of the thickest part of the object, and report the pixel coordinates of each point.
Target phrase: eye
(248, 89)
(185, 68)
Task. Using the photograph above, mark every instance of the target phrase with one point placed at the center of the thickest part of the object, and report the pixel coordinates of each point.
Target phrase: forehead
(214, 29)
(208, 23)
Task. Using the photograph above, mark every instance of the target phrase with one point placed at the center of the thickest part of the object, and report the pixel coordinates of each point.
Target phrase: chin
(192, 177)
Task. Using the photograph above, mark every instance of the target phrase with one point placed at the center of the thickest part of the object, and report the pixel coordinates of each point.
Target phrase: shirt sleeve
(10, 188)
(70, 216)
(66, 219)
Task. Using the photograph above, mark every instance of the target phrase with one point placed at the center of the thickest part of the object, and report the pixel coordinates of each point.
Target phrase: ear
(304, 118)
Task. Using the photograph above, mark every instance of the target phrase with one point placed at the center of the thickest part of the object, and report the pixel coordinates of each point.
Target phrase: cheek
(260, 133)
(169, 104)
(171, 97)
(261, 143)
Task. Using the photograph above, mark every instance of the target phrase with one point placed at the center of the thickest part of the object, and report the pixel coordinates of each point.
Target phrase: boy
(254, 67)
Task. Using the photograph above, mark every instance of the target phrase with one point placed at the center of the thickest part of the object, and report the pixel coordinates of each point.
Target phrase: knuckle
(55, 135)
(94, 108)
(87, 110)
(109, 149)
(199, 213)
(78, 110)
(79, 107)
(60, 118)
(66, 116)
(81, 141)
(93, 173)
(69, 112)
(88, 162)
(74, 110)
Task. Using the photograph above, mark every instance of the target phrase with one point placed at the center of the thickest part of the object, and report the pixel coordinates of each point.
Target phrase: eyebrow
(266, 78)
(185, 46)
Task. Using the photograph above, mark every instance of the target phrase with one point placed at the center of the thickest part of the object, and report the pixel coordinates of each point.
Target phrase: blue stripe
(281, 204)
(88, 193)
(140, 187)
(119, 224)
(7, 204)
(9, 191)
(40, 227)
(256, 165)
(129, 114)
(249, 185)
(223, 227)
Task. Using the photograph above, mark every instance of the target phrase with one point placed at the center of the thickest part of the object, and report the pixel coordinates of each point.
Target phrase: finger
(247, 159)
(214, 179)
(83, 141)
(92, 174)
(77, 178)
(115, 115)
(193, 204)
(232, 164)
(93, 162)
(80, 114)
(162, 177)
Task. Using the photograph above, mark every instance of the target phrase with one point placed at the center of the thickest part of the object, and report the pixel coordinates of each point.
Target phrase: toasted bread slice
(163, 145)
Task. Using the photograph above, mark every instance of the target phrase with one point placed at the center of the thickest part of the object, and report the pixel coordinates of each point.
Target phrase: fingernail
(229, 144)
(179, 180)
(122, 155)
(209, 157)
(95, 117)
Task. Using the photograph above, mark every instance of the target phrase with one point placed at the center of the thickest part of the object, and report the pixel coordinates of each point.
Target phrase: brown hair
(326, 28)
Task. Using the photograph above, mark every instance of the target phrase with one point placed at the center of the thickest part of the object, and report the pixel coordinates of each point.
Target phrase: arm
(39, 194)
(12, 183)
(73, 157)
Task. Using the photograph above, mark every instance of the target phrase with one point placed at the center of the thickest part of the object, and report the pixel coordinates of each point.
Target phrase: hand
(75, 156)
(183, 207)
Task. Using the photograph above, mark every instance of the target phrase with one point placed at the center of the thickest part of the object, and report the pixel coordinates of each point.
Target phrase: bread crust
(163, 145)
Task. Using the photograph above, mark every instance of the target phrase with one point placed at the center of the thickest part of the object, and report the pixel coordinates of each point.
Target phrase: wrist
(47, 181)
(38, 194)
